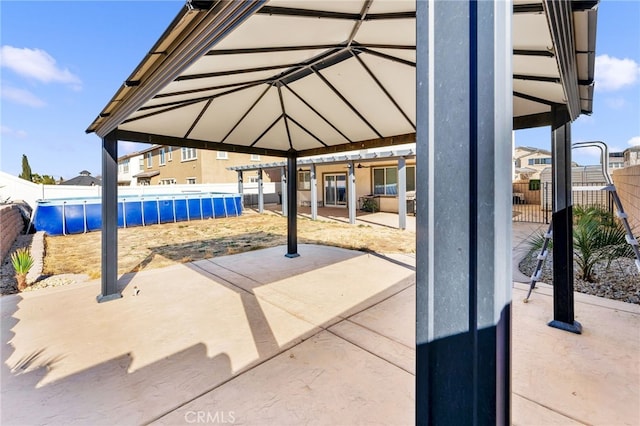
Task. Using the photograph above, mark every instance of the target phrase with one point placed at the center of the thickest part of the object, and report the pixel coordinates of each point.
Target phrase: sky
(61, 62)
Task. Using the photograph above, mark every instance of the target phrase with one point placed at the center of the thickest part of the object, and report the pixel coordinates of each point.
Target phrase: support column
(241, 187)
(562, 218)
(463, 238)
(283, 190)
(314, 193)
(402, 193)
(292, 208)
(351, 193)
(260, 193)
(109, 287)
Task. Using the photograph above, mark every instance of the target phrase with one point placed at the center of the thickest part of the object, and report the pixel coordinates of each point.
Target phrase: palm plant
(22, 262)
(597, 237)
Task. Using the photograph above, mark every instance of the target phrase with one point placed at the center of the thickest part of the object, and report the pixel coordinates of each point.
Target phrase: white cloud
(634, 141)
(616, 102)
(613, 73)
(20, 96)
(5, 130)
(37, 64)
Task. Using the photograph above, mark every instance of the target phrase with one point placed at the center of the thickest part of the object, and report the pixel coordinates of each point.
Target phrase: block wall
(627, 182)
(11, 226)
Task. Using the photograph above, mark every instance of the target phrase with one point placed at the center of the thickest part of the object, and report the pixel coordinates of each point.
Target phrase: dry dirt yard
(157, 246)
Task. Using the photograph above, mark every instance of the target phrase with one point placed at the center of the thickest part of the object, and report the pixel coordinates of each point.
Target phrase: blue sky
(61, 62)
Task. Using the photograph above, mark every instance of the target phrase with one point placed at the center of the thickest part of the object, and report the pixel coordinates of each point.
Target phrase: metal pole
(109, 278)
(240, 189)
(283, 189)
(292, 208)
(463, 235)
(562, 218)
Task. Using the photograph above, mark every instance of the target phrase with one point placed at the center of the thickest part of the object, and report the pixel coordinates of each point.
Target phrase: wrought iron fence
(533, 201)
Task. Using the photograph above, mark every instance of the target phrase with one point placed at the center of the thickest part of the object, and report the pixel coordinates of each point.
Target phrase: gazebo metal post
(463, 239)
(402, 193)
(109, 286)
(292, 208)
(351, 193)
(314, 192)
(260, 193)
(562, 218)
(283, 190)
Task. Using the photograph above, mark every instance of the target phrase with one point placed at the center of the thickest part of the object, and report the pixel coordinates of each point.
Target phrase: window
(162, 159)
(168, 181)
(255, 157)
(222, 155)
(141, 163)
(385, 180)
(191, 181)
(124, 166)
(169, 153)
(534, 185)
(536, 161)
(149, 159)
(253, 179)
(188, 154)
(304, 180)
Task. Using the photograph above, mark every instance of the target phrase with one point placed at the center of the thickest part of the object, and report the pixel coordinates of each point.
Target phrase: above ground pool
(79, 215)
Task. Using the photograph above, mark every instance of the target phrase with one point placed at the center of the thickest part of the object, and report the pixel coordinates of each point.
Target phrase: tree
(26, 169)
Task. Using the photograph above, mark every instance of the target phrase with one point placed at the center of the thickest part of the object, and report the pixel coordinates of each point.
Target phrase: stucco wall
(12, 225)
(627, 182)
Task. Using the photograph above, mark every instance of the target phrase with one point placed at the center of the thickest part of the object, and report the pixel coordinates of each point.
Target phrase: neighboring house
(375, 172)
(529, 162)
(129, 166)
(631, 156)
(84, 179)
(166, 165)
(616, 160)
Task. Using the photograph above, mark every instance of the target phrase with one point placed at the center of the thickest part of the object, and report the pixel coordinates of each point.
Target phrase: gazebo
(301, 78)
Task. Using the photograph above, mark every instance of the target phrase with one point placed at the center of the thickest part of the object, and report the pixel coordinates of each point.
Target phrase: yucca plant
(22, 262)
(596, 237)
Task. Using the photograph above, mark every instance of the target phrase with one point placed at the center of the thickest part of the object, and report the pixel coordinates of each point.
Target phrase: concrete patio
(326, 338)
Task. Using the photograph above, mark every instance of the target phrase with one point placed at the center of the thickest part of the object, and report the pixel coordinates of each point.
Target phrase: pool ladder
(631, 240)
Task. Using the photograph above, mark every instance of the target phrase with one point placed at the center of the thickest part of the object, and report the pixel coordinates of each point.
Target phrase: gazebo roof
(319, 77)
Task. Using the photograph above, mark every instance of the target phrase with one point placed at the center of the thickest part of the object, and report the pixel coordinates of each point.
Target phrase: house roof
(82, 180)
(147, 174)
(317, 77)
(531, 150)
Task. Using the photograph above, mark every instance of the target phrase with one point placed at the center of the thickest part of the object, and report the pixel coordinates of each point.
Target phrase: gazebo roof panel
(366, 96)
(174, 123)
(391, 75)
(258, 120)
(387, 31)
(278, 31)
(322, 98)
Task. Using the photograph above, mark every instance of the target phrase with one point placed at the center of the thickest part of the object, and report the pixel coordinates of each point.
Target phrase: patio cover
(318, 77)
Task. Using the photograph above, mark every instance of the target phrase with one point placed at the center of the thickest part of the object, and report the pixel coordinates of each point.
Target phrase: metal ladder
(631, 240)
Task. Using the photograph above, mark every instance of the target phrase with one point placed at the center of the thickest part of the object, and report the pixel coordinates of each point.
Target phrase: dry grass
(156, 246)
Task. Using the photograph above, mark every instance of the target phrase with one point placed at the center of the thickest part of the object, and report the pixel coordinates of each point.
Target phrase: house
(84, 179)
(375, 172)
(616, 160)
(529, 162)
(129, 166)
(167, 165)
(631, 156)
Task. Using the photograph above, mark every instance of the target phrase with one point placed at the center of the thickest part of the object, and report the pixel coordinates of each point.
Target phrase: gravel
(619, 281)
(35, 279)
